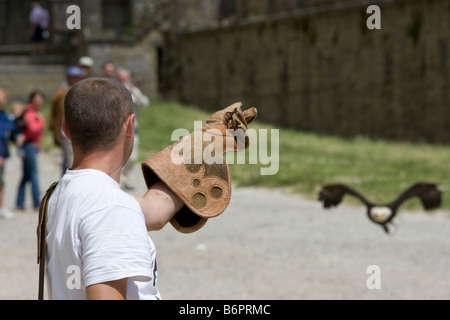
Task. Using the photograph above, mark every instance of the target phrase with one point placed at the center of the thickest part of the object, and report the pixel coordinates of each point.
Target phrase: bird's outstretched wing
(429, 194)
(331, 195)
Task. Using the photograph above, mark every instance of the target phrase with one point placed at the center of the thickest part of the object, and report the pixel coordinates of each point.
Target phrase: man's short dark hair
(95, 110)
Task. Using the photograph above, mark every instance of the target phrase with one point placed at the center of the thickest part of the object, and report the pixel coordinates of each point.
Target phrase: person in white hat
(86, 64)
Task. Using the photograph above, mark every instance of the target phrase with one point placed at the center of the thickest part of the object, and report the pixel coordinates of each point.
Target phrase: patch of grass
(380, 170)
(160, 119)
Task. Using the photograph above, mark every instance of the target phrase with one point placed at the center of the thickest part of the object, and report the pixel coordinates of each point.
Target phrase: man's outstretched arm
(159, 205)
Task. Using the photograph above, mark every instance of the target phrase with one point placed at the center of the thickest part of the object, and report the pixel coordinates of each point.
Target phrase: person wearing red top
(33, 134)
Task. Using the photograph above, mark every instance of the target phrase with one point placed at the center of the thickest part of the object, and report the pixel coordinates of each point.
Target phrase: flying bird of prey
(383, 214)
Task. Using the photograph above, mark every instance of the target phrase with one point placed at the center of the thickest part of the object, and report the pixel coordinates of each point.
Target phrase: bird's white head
(380, 213)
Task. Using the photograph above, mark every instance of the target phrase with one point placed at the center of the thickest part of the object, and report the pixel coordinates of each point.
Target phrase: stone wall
(324, 71)
(20, 79)
(19, 75)
(134, 49)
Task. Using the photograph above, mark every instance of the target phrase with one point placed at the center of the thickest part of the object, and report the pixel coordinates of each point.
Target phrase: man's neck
(105, 161)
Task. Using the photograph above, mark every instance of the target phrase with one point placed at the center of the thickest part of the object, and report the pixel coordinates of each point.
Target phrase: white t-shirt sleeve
(115, 245)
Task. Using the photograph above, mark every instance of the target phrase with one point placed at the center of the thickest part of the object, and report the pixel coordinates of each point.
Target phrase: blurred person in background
(108, 69)
(139, 101)
(86, 64)
(33, 133)
(17, 109)
(6, 127)
(39, 24)
(73, 75)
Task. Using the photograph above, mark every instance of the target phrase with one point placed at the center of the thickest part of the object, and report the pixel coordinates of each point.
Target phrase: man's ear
(65, 129)
(129, 125)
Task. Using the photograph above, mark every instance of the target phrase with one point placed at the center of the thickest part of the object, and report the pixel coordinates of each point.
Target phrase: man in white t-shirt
(97, 241)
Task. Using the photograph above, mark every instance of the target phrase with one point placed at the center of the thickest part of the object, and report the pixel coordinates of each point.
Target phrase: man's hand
(194, 169)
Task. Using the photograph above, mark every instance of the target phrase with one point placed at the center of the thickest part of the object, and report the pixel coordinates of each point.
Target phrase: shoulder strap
(41, 235)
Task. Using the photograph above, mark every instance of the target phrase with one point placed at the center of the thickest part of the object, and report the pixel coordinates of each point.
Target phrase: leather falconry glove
(195, 170)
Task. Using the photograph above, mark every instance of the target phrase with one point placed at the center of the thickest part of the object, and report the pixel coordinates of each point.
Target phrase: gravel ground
(267, 245)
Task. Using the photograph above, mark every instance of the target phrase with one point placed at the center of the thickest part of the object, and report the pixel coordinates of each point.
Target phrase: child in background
(6, 127)
(17, 110)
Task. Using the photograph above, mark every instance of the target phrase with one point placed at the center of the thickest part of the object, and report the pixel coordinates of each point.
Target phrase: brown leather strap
(41, 235)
